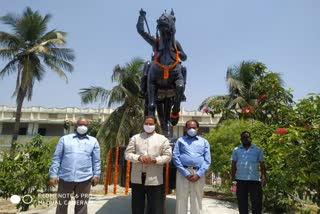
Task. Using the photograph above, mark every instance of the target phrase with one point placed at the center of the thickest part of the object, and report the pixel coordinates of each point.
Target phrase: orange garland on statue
(115, 176)
(167, 179)
(127, 177)
(108, 173)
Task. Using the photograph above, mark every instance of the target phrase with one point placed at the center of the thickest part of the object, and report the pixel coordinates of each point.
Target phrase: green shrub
(26, 171)
(292, 160)
(51, 144)
(223, 140)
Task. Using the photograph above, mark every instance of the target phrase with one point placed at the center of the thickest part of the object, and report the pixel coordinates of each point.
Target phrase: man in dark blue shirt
(246, 159)
(191, 156)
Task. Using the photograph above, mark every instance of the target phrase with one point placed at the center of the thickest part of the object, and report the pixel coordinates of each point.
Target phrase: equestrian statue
(163, 78)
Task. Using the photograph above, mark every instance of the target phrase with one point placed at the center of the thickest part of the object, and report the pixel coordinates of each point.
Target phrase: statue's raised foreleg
(174, 117)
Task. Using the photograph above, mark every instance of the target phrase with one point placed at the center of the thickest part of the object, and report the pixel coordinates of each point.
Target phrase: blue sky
(285, 35)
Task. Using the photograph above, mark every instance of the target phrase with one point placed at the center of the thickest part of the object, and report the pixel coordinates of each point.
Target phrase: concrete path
(121, 204)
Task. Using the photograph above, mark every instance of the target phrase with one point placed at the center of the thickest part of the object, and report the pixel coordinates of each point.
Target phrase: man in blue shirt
(246, 159)
(191, 156)
(75, 167)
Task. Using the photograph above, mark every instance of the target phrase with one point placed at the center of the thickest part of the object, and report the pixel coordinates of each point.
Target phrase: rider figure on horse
(165, 70)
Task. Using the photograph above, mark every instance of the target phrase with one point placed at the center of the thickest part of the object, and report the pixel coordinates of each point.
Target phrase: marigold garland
(115, 176)
(127, 177)
(167, 179)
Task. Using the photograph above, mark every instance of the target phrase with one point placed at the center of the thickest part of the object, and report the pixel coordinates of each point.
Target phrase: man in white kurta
(148, 152)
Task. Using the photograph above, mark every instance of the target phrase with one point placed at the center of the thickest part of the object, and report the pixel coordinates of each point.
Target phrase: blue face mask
(192, 132)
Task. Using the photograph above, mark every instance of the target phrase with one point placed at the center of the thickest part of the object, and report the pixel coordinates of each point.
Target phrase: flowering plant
(281, 131)
(247, 110)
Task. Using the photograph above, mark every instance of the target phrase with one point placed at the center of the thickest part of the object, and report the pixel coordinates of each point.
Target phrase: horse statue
(163, 78)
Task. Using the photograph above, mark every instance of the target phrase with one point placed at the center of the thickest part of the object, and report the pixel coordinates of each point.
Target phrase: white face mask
(82, 130)
(148, 128)
(192, 132)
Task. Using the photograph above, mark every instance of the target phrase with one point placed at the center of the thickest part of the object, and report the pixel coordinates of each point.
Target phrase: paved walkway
(121, 204)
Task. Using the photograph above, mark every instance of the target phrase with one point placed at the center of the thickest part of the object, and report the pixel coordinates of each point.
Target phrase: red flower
(282, 130)
(247, 109)
(206, 110)
(307, 127)
(262, 97)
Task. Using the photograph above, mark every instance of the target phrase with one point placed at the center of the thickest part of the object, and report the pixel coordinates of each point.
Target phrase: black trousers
(254, 188)
(81, 190)
(155, 198)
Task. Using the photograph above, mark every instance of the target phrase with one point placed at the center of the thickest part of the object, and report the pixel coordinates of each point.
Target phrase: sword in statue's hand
(143, 14)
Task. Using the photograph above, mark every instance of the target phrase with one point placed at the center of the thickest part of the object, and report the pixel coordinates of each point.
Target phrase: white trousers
(184, 189)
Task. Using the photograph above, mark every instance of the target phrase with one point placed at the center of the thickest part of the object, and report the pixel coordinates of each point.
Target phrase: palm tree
(241, 83)
(124, 120)
(218, 105)
(246, 83)
(30, 49)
